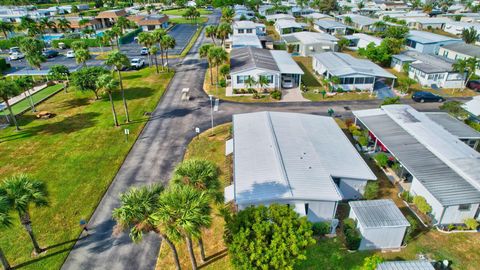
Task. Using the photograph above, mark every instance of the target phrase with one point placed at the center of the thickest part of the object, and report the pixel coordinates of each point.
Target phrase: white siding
(418, 189)
(382, 238)
(352, 188)
(454, 215)
(255, 73)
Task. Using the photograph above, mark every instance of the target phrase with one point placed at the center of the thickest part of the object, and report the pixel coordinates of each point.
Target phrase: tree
(273, 237)
(76, 45)
(371, 190)
(405, 83)
(118, 61)
(185, 211)
(147, 40)
(302, 3)
(109, 36)
(360, 5)
(427, 8)
(6, 27)
(328, 6)
(218, 56)
(81, 56)
(63, 24)
(168, 42)
(45, 23)
(21, 192)
(75, 9)
(211, 32)
(223, 31)
(422, 204)
(135, 215)
(25, 83)
(157, 37)
(397, 32)
(310, 22)
(59, 73)
(154, 51)
(9, 89)
(28, 24)
(342, 44)
(382, 54)
(348, 20)
(467, 66)
(5, 222)
(263, 81)
(117, 33)
(470, 35)
(225, 70)
(372, 262)
(85, 79)
(123, 23)
(32, 48)
(227, 15)
(204, 53)
(108, 84)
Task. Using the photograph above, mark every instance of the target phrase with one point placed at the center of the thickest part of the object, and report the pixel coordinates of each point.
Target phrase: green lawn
(181, 11)
(308, 78)
(37, 97)
(77, 153)
(185, 21)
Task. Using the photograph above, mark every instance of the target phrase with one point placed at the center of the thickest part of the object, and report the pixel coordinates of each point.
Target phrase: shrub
(471, 223)
(251, 91)
(276, 94)
(391, 100)
(405, 195)
(395, 166)
(352, 235)
(321, 228)
(68, 42)
(412, 229)
(381, 159)
(363, 141)
(223, 83)
(371, 190)
(256, 96)
(72, 36)
(422, 204)
(127, 38)
(339, 90)
(3, 64)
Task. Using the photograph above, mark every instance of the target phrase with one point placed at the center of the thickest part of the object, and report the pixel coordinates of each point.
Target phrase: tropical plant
(63, 24)
(6, 27)
(117, 33)
(470, 35)
(9, 89)
(184, 211)
(123, 23)
(21, 192)
(135, 215)
(218, 56)
(157, 37)
(118, 61)
(342, 44)
(381, 159)
(371, 190)
(79, 45)
(348, 20)
(32, 48)
(390, 101)
(109, 36)
(224, 71)
(59, 73)
(471, 223)
(29, 25)
(227, 15)
(154, 51)
(223, 31)
(468, 66)
(5, 222)
(204, 53)
(405, 83)
(81, 56)
(310, 22)
(147, 40)
(108, 84)
(250, 81)
(263, 81)
(25, 83)
(44, 24)
(210, 31)
(422, 204)
(352, 234)
(168, 42)
(371, 263)
(85, 79)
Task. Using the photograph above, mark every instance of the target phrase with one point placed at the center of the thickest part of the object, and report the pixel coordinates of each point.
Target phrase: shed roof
(473, 106)
(378, 214)
(452, 125)
(291, 156)
(427, 37)
(464, 48)
(327, 24)
(446, 167)
(342, 64)
(406, 265)
(248, 57)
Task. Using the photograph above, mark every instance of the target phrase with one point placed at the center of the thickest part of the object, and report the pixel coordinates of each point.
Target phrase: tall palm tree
(157, 36)
(470, 35)
(26, 83)
(123, 23)
(60, 73)
(21, 192)
(219, 56)
(32, 48)
(108, 37)
(227, 15)
(310, 22)
(203, 52)
(5, 28)
(117, 32)
(5, 222)
(203, 176)
(168, 42)
(223, 31)
(9, 89)
(135, 214)
(147, 40)
(211, 32)
(82, 55)
(108, 84)
(263, 81)
(44, 24)
(250, 82)
(468, 66)
(118, 61)
(184, 211)
(63, 24)
(29, 25)
(154, 51)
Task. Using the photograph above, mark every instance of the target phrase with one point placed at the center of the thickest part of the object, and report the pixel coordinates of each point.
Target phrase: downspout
(441, 217)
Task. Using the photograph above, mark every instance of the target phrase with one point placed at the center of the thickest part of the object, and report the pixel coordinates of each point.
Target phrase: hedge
(7, 43)
(68, 42)
(353, 238)
(130, 36)
(3, 64)
(321, 228)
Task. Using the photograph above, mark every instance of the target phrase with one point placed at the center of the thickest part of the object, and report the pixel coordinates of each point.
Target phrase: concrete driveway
(383, 91)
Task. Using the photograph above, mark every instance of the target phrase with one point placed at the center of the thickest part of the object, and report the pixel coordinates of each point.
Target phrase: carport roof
(454, 126)
(285, 63)
(378, 214)
(406, 265)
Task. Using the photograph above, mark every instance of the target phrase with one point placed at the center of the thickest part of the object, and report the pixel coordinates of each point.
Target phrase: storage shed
(406, 265)
(380, 222)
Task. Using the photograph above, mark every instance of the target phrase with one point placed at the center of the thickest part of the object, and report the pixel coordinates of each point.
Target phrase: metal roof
(240, 41)
(427, 37)
(317, 16)
(291, 156)
(359, 19)
(244, 24)
(275, 17)
(342, 64)
(328, 24)
(378, 214)
(464, 48)
(365, 37)
(287, 23)
(454, 126)
(309, 38)
(285, 63)
(473, 106)
(428, 63)
(406, 265)
(248, 57)
(424, 148)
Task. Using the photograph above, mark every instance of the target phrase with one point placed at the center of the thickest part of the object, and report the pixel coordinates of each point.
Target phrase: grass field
(76, 153)
(185, 21)
(181, 11)
(37, 97)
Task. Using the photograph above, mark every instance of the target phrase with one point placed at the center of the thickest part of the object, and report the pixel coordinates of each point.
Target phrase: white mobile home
(436, 164)
(380, 223)
(302, 160)
(288, 26)
(361, 40)
(330, 27)
(309, 43)
(427, 42)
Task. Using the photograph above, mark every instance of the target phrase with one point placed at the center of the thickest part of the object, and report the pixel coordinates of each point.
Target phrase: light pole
(211, 112)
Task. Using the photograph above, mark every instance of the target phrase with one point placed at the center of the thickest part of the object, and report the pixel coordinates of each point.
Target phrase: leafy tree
(76, 45)
(185, 211)
(405, 83)
(263, 81)
(396, 32)
(9, 89)
(21, 192)
(32, 48)
(81, 56)
(135, 215)
(422, 204)
(168, 42)
(328, 6)
(223, 31)
(372, 262)
(6, 27)
(381, 159)
(211, 32)
(118, 61)
(273, 237)
(225, 70)
(147, 40)
(470, 35)
(204, 53)
(44, 24)
(342, 44)
(85, 79)
(59, 73)
(108, 84)
(227, 15)
(468, 66)
(382, 54)
(5, 222)
(75, 9)
(28, 24)
(123, 23)
(371, 190)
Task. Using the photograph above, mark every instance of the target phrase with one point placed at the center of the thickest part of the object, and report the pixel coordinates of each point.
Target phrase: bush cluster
(68, 42)
(276, 94)
(371, 190)
(412, 229)
(422, 204)
(352, 234)
(321, 228)
(381, 159)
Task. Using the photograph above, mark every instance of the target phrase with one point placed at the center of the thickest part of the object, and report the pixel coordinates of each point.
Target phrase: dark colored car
(421, 96)
(474, 85)
(50, 53)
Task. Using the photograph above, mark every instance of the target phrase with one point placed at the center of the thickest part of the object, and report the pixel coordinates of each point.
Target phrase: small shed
(406, 265)
(380, 222)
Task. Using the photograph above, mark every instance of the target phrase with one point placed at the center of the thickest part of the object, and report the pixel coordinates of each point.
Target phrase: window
(464, 207)
(249, 31)
(241, 79)
(360, 80)
(268, 77)
(306, 209)
(348, 80)
(241, 31)
(368, 80)
(430, 77)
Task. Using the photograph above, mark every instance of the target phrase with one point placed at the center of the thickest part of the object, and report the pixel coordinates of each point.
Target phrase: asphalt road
(158, 149)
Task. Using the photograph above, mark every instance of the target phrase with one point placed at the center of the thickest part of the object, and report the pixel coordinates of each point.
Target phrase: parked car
(13, 49)
(137, 63)
(209, 8)
(287, 82)
(422, 96)
(474, 85)
(50, 53)
(16, 55)
(144, 51)
(70, 54)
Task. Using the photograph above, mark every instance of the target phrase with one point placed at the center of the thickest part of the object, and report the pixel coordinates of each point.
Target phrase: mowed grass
(211, 148)
(181, 11)
(37, 97)
(76, 153)
(186, 21)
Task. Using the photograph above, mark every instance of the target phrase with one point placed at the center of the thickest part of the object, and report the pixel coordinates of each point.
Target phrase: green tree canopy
(85, 79)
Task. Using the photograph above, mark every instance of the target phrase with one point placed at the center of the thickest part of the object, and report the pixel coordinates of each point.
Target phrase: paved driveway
(383, 91)
(182, 33)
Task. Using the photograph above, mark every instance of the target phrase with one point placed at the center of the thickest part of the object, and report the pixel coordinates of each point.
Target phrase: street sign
(127, 131)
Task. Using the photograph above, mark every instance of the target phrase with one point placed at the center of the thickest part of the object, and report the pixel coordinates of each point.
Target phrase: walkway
(12, 101)
(292, 95)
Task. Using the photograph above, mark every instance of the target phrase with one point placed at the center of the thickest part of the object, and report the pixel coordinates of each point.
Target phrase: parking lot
(181, 32)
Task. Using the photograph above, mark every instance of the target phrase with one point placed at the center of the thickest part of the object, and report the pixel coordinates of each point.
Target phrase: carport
(288, 67)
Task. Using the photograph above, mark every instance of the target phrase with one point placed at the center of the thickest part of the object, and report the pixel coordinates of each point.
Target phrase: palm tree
(468, 66)
(157, 36)
(379, 25)
(63, 24)
(32, 48)
(203, 176)
(227, 15)
(219, 56)
(81, 56)
(20, 192)
(184, 211)
(135, 214)
(168, 42)
(263, 81)
(88, 32)
(44, 24)
(108, 37)
(223, 31)
(59, 73)
(348, 20)
(108, 84)
(117, 32)
(203, 52)
(310, 22)
(470, 35)
(250, 82)
(5, 222)
(6, 27)
(26, 83)
(28, 24)
(123, 23)
(147, 40)
(118, 61)
(361, 5)
(427, 8)
(154, 51)
(9, 89)
(211, 32)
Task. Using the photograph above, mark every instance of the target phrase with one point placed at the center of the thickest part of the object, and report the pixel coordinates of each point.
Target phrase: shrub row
(352, 234)
(127, 38)
(321, 228)
(68, 42)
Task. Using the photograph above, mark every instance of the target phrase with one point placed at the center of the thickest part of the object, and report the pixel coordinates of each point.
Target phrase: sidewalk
(12, 101)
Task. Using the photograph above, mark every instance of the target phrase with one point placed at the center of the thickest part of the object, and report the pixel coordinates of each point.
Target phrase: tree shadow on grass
(133, 93)
(74, 103)
(213, 258)
(48, 255)
(127, 76)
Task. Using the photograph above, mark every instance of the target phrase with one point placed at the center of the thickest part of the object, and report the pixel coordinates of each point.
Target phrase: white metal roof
(244, 24)
(241, 41)
(311, 37)
(365, 37)
(452, 125)
(406, 265)
(318, 16)
(283, 23)
(291, 156)
(275, 17)
(427, 37)
(378, 214)
(285, 62)
(473, 106)
(342, 64)
(359, 19)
